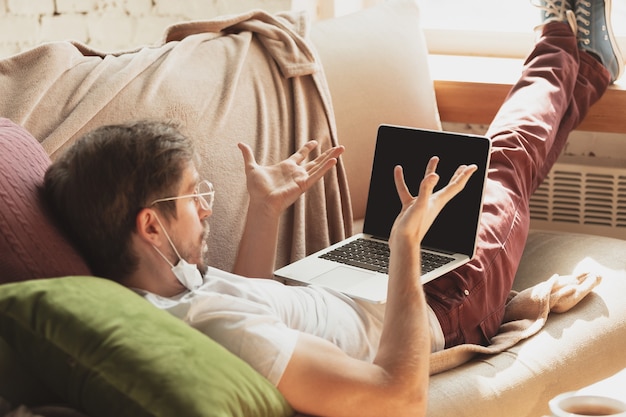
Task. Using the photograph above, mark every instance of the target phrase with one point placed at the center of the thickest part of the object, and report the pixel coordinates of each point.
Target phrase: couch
(74, 344)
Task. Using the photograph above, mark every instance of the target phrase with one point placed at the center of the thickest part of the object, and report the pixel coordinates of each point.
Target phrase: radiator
(583, 195)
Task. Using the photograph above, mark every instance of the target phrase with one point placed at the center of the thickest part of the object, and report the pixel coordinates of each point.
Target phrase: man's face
(189, 231)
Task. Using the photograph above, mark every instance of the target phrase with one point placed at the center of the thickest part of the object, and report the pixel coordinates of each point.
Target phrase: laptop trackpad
(342, 278)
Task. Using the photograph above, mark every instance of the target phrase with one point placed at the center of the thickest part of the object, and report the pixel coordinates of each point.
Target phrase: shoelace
(583, 24)
(554, 11)
(553, 8)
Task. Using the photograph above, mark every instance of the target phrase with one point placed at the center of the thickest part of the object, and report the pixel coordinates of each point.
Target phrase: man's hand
(278, 186)
(418, 213)
(272, 189)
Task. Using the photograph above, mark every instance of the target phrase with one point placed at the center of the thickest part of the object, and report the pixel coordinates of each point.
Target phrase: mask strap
(169, 240)
(163, 256)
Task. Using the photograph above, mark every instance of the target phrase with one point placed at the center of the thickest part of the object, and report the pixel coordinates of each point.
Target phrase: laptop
(451, 240)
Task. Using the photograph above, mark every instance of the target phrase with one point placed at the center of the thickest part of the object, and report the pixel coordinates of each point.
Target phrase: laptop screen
(455, 228)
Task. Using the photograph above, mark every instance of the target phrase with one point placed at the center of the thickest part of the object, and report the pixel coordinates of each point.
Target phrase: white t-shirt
(259, 319)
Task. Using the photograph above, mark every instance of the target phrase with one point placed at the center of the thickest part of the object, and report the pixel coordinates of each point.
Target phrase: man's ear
(148, 228)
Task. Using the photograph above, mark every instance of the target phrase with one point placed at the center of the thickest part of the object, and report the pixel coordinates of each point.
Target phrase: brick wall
(107, 24)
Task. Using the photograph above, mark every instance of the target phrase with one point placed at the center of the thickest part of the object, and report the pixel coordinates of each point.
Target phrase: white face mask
(188, 274)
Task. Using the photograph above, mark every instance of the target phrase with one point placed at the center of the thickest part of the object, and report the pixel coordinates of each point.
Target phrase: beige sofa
(375, 64)
(574, 349)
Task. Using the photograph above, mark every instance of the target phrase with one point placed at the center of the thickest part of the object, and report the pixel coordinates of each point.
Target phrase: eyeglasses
(204, 194)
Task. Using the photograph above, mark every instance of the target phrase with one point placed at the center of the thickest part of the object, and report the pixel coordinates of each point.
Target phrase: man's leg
(556, 88)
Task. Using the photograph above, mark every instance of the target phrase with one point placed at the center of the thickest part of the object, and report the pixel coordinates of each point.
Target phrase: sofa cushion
(106, 351)
(572, 350)
(30, 244)
(376, 66)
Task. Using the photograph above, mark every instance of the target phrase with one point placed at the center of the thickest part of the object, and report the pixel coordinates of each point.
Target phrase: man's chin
(203, 265)
(203, 268)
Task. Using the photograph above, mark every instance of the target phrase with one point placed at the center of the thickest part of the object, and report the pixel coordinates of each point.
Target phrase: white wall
(107, 25)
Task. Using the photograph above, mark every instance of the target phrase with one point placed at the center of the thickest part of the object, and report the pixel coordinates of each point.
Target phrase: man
(131, 199)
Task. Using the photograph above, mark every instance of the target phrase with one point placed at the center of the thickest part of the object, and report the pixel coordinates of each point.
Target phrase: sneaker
(595, 34)
(557, 11)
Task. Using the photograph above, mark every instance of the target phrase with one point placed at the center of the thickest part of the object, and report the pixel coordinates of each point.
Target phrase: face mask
(188, 274)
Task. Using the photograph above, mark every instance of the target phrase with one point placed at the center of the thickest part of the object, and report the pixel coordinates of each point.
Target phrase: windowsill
(471, 89)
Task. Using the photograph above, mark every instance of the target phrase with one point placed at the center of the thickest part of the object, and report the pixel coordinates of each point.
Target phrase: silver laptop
(357, 266)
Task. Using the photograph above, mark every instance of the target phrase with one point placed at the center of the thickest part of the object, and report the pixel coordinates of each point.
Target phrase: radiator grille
(584, 198)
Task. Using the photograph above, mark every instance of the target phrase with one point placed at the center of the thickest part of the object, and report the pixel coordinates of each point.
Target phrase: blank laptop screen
(455, 228)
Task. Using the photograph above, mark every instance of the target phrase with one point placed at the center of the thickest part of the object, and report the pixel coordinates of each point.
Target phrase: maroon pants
(558, 85)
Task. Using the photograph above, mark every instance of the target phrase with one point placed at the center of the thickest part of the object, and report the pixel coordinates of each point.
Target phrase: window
(492, 27)
(502, 28)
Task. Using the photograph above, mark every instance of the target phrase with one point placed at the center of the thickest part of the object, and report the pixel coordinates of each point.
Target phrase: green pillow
(17, 384)
(106, 351)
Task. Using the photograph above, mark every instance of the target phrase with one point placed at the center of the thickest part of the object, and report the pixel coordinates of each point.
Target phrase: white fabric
(259, 319)
(437, 338)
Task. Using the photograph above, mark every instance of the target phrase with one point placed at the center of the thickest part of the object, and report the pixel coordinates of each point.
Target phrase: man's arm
(322, 380)
(271, 190)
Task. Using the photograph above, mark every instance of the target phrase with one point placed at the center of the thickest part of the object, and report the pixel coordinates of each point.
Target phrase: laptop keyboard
(374, 255)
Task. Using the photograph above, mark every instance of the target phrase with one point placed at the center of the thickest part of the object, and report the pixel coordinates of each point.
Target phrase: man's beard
(199, 253)
(203, 263)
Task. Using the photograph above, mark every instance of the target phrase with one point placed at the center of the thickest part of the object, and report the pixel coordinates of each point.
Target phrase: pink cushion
(30, 244)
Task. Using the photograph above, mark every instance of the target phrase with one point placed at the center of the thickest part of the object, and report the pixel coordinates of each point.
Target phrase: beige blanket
(252, 78)
(525, 314)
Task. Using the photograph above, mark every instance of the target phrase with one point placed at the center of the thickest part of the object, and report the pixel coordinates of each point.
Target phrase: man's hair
(96, 189)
